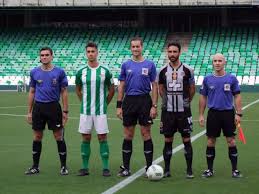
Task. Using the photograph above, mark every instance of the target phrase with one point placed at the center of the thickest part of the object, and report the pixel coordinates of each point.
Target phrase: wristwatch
(154, 105)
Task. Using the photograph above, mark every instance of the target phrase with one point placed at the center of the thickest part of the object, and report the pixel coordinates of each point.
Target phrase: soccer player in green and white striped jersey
(95, 89)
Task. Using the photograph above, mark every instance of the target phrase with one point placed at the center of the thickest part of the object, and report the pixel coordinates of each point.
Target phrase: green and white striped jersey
(95, 83)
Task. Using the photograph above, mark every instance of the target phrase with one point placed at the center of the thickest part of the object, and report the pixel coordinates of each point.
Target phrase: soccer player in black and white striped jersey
(176, 88)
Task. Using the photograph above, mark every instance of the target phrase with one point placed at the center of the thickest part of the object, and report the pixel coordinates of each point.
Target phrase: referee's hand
(153, 113)
(237, 119)
(201, 120)
(119, 113)
(29, 118)
(65, 118)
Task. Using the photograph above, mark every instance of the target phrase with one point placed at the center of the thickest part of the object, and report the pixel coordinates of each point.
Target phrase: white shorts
(87, 122)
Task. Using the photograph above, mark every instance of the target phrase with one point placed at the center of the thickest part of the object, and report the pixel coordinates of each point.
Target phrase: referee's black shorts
(50, 113)
(221, 120)
(137, 109)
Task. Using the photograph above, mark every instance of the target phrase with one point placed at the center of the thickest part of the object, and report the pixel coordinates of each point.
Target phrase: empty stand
(239, 46)
(19, 50)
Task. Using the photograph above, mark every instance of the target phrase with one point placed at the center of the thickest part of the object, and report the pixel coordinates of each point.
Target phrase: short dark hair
(176, 44)
(91, 44)
(137, 38)
(46, 48)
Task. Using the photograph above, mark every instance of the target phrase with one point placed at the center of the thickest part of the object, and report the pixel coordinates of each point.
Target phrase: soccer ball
(155, 172)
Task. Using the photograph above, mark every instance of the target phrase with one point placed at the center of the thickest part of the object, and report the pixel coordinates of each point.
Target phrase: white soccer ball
(155, 172)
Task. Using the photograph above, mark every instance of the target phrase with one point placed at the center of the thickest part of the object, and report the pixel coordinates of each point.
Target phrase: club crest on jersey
(54, 81)
(144, 71)
(129, 70)
(39, 81)
(226, 87)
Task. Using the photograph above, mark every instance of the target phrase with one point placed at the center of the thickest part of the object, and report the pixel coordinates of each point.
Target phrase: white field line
(133, 177)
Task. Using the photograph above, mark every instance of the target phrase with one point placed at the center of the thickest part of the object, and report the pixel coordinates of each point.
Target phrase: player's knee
(102, 137)
(37, 136)
(211, 142)
(58, 134)
(129, 135)
(86, 137)
(186, 140)
(58, 137)
(169, 138)
(146, 136)
(145, 133)
(231, 142)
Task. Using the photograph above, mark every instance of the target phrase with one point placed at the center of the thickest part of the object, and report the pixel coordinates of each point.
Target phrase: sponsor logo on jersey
(174, 75)
(211, 87)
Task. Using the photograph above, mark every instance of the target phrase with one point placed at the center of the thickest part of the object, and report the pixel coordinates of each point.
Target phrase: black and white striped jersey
(176, 84)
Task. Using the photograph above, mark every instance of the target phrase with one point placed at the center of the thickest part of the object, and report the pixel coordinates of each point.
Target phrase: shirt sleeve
(204, 88)
(235, 88)
(191, 79)
(32, 81)
(109, 78)
(161, 77)
(63, 79)
(78, 78)
(122, 76)
(153, 73)
(157, 76)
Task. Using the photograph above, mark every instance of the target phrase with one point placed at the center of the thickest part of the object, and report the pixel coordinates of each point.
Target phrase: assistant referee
(218, 91)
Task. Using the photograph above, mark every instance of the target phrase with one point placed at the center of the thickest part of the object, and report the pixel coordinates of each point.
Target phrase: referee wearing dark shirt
(218, 91)
(47, 83)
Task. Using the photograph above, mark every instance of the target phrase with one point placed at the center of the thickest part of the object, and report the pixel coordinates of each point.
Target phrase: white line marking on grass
(133, 177)
(7, 107)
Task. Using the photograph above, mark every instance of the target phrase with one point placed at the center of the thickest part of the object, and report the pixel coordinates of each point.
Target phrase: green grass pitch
(16, 142)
